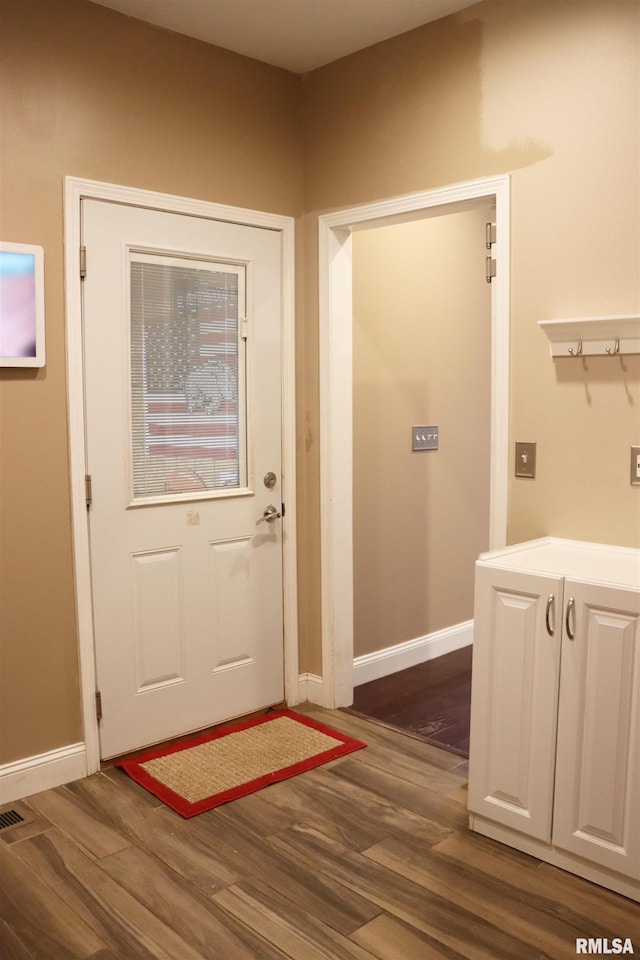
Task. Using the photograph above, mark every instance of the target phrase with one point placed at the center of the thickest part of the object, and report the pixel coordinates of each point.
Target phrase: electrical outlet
(635, 466)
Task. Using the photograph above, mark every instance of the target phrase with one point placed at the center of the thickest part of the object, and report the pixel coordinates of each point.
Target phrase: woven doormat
(214, 768)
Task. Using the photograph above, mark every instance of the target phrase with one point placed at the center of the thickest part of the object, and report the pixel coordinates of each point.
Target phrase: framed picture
(21, 305)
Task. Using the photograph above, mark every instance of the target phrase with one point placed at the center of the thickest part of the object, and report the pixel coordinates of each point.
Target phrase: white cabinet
(516, 669)
(554, 766)
(597, 791)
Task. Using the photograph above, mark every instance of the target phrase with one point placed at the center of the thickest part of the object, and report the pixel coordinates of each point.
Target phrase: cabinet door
(597, 802)
(516, 655)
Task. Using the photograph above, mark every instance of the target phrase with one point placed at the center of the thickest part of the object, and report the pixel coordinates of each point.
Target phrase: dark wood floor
(431, 701)
(366, 858)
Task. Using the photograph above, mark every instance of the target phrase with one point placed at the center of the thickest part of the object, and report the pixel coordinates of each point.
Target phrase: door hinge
(490, 234)
(88, 494)
(244, 328)
(98, 705)
(83, 262)
(490, 269)
(490, 239)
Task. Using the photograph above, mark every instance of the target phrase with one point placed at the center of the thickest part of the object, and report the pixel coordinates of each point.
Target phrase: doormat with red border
(213, 768)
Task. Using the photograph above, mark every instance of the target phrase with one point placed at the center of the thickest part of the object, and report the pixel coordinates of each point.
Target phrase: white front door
(182, 327)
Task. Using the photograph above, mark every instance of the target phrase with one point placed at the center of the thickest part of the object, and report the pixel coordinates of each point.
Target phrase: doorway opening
(336, 336)
(421, 366)
(430, 701)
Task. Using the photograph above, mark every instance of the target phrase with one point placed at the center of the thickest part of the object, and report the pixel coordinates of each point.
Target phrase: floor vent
(9, 818)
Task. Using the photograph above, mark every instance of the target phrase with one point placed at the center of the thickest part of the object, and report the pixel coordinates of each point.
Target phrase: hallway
(430, 701)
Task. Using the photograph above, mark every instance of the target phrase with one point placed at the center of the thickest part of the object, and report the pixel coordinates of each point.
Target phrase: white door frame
(75, 191)
(336, 401)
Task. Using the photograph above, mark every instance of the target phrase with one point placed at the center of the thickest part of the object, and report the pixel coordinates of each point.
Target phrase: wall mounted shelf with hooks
(593, 336)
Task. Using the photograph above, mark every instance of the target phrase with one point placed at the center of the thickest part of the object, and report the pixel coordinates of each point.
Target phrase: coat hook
(577, 351)
(616, 348)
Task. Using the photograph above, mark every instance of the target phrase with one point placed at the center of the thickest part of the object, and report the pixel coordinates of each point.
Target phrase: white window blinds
(188, 409)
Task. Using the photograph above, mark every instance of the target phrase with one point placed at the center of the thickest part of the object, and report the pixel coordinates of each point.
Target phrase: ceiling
(298, 35)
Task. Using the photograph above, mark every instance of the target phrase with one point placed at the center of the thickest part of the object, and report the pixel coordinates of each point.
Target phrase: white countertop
(571, 558)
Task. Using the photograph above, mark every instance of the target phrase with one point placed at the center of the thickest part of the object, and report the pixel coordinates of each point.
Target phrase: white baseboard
(382, 663)
(33, 774)
(46, 770)
(310, 689)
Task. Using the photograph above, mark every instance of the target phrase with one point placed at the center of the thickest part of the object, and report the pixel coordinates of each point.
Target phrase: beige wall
(421, 355)
(89, 93)
(546, 90)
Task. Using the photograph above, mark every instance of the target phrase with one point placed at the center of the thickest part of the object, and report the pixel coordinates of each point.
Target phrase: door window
(188, 378)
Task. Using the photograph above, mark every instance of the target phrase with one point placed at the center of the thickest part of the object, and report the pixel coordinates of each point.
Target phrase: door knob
(270, 513)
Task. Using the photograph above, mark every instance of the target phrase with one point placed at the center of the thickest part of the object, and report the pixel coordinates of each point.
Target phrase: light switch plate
(424, 438)
(525, 459)
(635, 466)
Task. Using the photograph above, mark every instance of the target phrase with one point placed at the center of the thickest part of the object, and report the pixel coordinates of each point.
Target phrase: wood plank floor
(431, 701)
(366, 858)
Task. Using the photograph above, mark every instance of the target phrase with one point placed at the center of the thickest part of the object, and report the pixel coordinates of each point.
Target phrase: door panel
(158, 626)
(231, 569)
(598, 765)
(516, 665)
(183, 420)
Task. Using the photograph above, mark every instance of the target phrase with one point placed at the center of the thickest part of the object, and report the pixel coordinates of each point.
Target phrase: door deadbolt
(270, 479)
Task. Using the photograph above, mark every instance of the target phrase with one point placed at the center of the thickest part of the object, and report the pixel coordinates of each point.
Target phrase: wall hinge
(83, 262)
(98, 705)
(88, 494)
(490, 234)
(490, 269)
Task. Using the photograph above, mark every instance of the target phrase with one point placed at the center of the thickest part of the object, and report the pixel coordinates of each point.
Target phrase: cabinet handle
(567, 622)
(547, 615)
